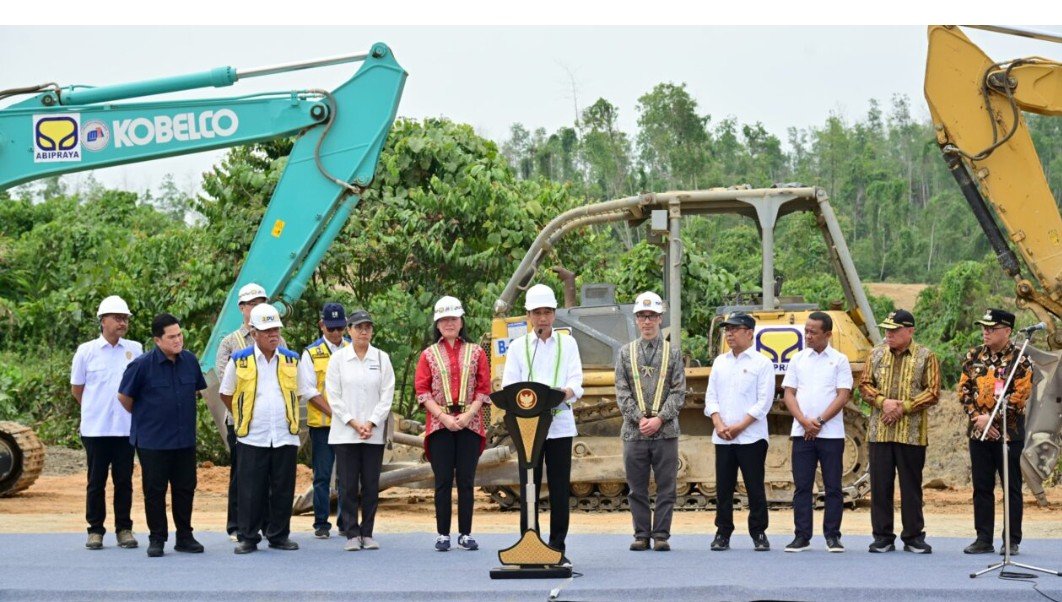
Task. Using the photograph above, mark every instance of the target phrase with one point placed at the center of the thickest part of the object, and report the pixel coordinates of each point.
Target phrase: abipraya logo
(56, 138)
(95, 135)
(779, 344)
(182, 127)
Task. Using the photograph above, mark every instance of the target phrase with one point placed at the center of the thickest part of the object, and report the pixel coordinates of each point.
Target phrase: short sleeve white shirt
(816, 378)
(269, 424)
(99, 366)
(738, 386)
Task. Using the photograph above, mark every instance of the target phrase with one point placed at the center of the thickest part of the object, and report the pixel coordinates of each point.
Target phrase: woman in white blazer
(361, 386)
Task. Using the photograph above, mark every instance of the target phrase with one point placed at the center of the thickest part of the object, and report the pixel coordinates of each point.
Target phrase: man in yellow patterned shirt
(900, 382)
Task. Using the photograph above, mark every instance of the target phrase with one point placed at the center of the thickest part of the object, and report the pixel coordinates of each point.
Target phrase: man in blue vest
(261, 388)
(313, 366)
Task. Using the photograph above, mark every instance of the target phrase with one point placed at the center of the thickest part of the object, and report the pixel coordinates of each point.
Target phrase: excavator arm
(976, 105)
(340, 134)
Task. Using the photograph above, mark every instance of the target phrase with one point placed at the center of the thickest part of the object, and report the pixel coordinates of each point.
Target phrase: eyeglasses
(118, 317)
(646, 317)
(989, 328)
(334, 328)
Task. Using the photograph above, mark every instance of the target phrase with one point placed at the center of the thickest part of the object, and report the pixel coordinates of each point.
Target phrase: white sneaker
(353, 544)
(368, 543)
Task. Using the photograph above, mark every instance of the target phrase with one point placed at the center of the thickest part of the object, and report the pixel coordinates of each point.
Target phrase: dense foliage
(452, 213)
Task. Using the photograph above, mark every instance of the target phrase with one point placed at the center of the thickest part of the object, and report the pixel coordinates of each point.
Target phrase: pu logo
(779, 344)
(56, 138)
(526, 399)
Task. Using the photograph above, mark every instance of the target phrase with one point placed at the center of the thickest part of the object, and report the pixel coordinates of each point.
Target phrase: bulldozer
(602, 324)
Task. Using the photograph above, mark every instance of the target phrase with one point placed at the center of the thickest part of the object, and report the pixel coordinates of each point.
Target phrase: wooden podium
(528, 415)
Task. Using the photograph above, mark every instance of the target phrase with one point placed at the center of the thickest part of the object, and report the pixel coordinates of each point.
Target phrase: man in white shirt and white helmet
(250, 296)
(545, 356)
(95, 374)
(261, 388)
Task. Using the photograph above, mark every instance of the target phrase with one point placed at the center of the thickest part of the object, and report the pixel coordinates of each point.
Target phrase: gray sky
(492, 76)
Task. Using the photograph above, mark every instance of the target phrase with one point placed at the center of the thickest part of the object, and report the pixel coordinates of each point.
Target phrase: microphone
(1034, 328)
(538, 337)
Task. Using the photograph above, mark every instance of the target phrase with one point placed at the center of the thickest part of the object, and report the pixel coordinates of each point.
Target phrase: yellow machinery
(601, 324)
(976, 104)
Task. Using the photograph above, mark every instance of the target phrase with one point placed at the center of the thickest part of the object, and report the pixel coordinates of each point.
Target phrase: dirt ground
(903, 295)
(56, 502)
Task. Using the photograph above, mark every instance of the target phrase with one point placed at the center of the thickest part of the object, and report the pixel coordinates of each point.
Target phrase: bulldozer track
(26, 453)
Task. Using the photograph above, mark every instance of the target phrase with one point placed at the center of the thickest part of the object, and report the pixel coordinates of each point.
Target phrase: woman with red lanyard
(453, 383)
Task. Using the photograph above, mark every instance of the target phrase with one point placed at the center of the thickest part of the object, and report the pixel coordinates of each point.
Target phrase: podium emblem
(526, 399)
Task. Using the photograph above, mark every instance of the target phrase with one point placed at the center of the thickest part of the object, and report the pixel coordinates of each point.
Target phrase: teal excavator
(339, 136)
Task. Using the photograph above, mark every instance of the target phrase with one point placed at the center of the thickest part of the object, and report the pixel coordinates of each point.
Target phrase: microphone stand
(1001, 407)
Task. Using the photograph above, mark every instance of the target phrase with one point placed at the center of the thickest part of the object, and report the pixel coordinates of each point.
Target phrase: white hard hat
(113, 305)
(649, 301)
(252, 291)
(538, 296)
(264, 316)
(448, 307)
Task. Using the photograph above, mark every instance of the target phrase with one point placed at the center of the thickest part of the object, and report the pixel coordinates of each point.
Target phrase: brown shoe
(661, 545)
(95, 541)
(126, 539)
(640, 544)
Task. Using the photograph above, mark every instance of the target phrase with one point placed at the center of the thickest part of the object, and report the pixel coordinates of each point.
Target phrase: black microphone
(1034, 328)
(538, 340)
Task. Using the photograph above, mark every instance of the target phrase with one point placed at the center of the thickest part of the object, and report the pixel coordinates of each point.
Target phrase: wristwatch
(819, 421)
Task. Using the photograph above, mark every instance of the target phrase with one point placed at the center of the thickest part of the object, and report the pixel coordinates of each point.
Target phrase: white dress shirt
(816, 378)
(738, 386)
(307, 372)
(359, 389)
(529, 358)
(269, 424)
(99, 366)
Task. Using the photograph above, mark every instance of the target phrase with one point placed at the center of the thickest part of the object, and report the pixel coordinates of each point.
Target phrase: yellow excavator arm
(976, 104)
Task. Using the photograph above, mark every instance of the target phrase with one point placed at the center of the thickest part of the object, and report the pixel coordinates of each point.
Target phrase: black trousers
(887, 461)
(266, 490)
(557, 456)
(114, 455)
(750, 458)
(358, 479)
(173, 469)
(807, 455)
(454, 452)
(231, 521)
(986, 463)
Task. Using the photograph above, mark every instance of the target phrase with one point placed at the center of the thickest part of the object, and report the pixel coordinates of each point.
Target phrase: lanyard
(531, 368)
(444, 372)
(658, 394)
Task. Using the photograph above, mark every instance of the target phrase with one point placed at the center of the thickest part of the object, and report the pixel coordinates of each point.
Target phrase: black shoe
(245, 547)
(720, 543)
(799, 544)
(833, 544)
(564, 562)
(188, 546)
(322, 533)
(640, 544)
(918, 546)
(155, 549)
(1013, 549)
(760, 543)
(979, 547)
(661, 545)
(880, 546)
(285, 544)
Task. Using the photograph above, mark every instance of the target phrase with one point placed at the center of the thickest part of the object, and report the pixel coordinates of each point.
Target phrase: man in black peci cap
(740, 393)
(984, 376)
(901, 381)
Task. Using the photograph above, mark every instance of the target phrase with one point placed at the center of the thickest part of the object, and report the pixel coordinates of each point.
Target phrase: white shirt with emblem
(99, 366)
(816, 378)
(738, 386)
(269, 424)
(359, 389)
(529, 358)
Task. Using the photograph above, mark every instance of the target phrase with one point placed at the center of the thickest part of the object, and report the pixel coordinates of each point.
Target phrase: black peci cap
(901, 318)
(997, 317)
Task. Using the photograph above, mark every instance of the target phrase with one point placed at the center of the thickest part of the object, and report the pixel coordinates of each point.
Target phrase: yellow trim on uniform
(243, 397)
